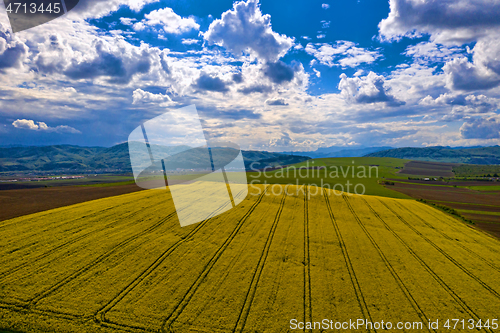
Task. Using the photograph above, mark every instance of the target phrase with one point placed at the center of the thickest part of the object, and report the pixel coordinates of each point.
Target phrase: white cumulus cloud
(169, 21)
(366, 90)
(141, 96)
(457, 21)
(244, 29)
(190, 41)
(41, 126)
(342, 53)
(482, 73)
(87, 9)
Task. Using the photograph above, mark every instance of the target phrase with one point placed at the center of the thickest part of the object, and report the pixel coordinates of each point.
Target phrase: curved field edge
(306, 253)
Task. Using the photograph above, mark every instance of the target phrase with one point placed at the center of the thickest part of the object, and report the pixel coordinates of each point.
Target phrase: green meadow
(362, 175)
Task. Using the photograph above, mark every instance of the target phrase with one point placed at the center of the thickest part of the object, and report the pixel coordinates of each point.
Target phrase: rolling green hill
(77, 159)
(477, 155)
(361, 175)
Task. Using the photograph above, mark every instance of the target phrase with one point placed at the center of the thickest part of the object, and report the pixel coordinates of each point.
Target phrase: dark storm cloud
(14, 51)
(260, 88)
(278, 72)
(107, 64)
(209, 83)
(214, 113)
(481, 128)
(238, 78)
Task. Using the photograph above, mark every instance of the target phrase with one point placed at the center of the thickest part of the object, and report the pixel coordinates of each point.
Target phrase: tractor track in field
(307, 263)
(352, 274)
(55, 314)
(436, 277)
(31, 303)
(486, 261)
(8, 272)
(100, 315)
(231, 264)
(11, 271)
(440, 250)
(173, 320)
(176, 312)
(280, 272)
(65, 315)
(98, 260)
(420, 313)
(274, 294)
(249, 297)
(104, 256)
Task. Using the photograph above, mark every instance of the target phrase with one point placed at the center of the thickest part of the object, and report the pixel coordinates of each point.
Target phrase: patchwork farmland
(124, 264)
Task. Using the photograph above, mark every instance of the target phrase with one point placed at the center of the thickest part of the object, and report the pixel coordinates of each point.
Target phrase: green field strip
(370, 267)
(463, 203)
(162, 290)
(129, 182)
(477, 221)
(495, 188)
(424, 184)
(465, 284)
(481, 212)
(472, 188)
(492, 188)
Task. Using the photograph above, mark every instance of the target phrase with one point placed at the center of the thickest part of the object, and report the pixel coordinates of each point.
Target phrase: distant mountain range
(78, 159)
(346, 151)
(466, 155)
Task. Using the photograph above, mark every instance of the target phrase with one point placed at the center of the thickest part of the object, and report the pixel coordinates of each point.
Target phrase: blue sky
(268, 75)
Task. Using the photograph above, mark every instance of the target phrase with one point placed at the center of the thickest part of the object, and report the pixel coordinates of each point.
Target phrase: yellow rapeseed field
(283, 257)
